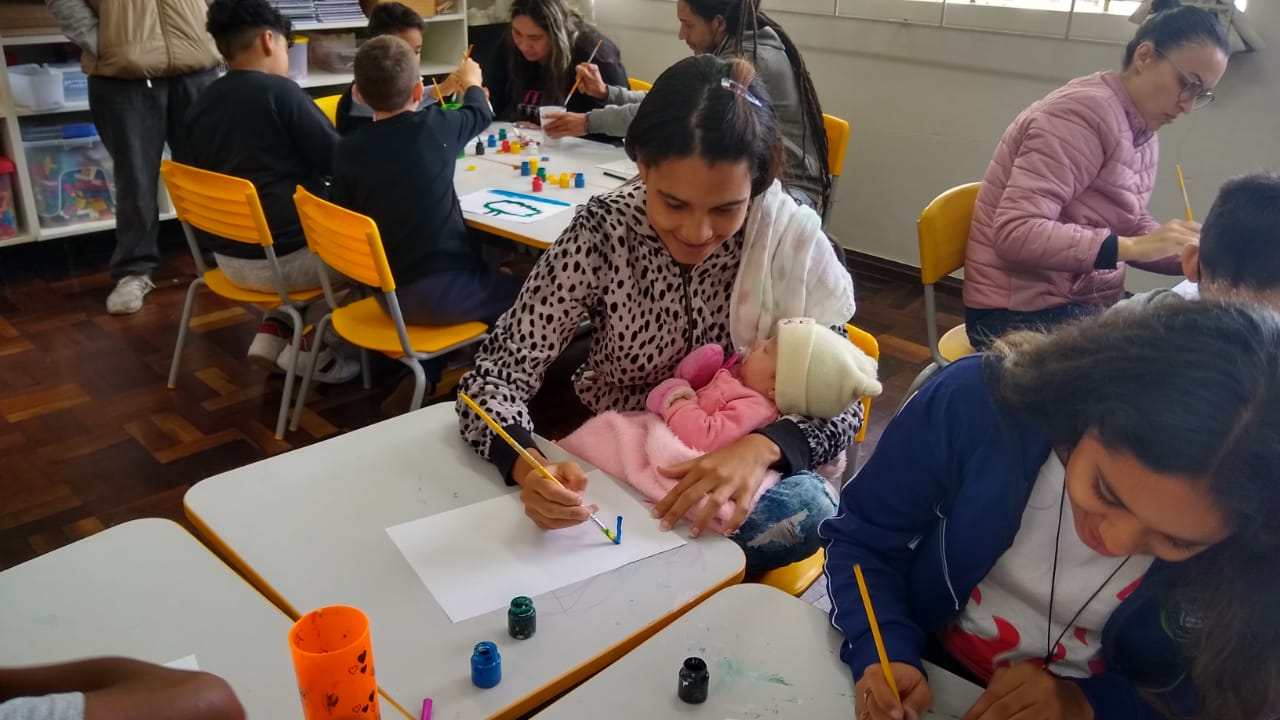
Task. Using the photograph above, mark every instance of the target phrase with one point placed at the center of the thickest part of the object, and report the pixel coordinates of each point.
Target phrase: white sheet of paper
(184, 663)
(624, 166)
(487, 203)
(474, 559)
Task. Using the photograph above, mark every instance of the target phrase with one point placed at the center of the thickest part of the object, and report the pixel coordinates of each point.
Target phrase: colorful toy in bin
(8, 217)
(72, 181)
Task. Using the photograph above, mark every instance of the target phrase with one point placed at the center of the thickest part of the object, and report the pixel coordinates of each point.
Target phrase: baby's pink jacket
(725, 411)
(632, 446)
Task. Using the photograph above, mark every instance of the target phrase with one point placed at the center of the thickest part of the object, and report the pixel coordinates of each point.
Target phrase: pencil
(426, 709)
(436, 85)
(574, 89)
(1186, 202)
(875, 630)
(524, 454)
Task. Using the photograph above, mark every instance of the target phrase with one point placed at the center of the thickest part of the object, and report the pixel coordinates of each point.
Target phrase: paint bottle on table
(693, 681)
(522, 618)
(486, 665)
(525, 169)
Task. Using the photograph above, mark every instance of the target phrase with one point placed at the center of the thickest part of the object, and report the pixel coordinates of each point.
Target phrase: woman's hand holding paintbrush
(549, 509)
(548, 505)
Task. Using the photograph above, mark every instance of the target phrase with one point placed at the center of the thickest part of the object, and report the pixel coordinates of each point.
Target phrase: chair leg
(182, 330)
(321, 327)
(419, 385)
(916, 384)
(364, 369)
(291, 372)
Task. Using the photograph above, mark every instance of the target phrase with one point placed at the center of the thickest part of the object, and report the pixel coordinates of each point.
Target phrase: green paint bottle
(522, 618)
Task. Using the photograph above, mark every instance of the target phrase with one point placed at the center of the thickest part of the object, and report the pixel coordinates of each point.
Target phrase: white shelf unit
(444, 42)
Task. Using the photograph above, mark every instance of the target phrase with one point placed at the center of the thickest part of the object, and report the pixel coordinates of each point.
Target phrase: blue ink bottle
(486, 665)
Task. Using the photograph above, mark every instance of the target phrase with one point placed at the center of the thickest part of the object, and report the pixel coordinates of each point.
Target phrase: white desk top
(148, 590)
(312, 522)
(571, 156)
(769, 655)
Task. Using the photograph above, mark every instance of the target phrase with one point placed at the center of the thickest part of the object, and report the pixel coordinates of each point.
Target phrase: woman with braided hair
(731, 29)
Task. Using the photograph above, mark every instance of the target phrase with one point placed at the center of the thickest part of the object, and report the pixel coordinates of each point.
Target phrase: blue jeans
(984, 325)
(783, 527)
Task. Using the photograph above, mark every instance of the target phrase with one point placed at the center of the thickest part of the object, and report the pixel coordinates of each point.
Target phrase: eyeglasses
(1192, 89)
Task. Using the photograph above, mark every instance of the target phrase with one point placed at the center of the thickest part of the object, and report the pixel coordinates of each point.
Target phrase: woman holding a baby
(707, 249)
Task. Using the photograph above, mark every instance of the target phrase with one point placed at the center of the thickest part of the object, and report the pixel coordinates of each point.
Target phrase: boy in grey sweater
(1238, 258)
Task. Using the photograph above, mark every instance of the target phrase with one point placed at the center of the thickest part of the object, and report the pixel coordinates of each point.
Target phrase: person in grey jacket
(731, 29)
(147, 61)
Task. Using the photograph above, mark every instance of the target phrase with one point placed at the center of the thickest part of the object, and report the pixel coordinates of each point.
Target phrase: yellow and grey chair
(943, 232)
(329, 105)
(350, 243)
(228, 207)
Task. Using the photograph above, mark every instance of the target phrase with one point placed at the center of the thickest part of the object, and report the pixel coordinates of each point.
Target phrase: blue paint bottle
(486, 665)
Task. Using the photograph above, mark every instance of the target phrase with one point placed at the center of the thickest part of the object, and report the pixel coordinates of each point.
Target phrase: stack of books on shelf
(334, 11)
(296, 10)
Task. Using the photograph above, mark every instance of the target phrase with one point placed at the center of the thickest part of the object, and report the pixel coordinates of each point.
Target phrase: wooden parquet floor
(90, 437)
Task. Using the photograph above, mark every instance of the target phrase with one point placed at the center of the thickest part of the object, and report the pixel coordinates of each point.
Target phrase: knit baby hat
(820, 373)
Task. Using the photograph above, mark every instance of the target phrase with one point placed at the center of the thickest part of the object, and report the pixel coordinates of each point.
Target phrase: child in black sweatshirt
(399, 171)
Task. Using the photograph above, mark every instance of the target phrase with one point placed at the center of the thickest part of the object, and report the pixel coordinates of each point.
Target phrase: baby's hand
(667, 394)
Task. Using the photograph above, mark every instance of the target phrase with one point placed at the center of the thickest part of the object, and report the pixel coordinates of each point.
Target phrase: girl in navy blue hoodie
(1086, 523)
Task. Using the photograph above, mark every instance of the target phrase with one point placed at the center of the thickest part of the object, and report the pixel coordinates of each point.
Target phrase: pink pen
(426, 709)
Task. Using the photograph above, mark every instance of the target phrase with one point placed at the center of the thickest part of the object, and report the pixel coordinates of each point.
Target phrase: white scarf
(788, 269)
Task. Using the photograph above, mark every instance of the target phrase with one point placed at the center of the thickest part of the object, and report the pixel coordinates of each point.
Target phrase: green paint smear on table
(733, 670)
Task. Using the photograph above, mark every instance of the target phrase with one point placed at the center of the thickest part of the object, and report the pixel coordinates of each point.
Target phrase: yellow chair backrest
(329, 106)
(865, 342)
(639, 84)
(837, 142)
(347, 241)
(943, 230)
(220, 204)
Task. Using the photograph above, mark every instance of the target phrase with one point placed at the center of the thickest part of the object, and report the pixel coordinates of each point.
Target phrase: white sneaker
(127, 296)
(334, 369)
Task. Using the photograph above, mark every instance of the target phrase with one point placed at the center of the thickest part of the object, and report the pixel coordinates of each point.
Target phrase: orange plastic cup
(333, 660)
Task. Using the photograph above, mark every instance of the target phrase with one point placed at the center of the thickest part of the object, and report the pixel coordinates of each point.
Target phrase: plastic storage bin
(8, 210)
(71, 180)
(298, 58)
(38, 87)
(75, 84)
(333, 52)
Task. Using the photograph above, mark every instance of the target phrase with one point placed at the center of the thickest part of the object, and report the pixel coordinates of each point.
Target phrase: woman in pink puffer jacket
(1063, 204)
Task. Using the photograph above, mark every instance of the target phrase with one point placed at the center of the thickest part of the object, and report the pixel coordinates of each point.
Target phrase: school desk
(310, 527)
(494, 170)
(148, 590)
(768, 655)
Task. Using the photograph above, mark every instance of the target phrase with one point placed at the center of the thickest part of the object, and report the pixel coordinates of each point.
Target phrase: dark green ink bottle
(522, 618)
